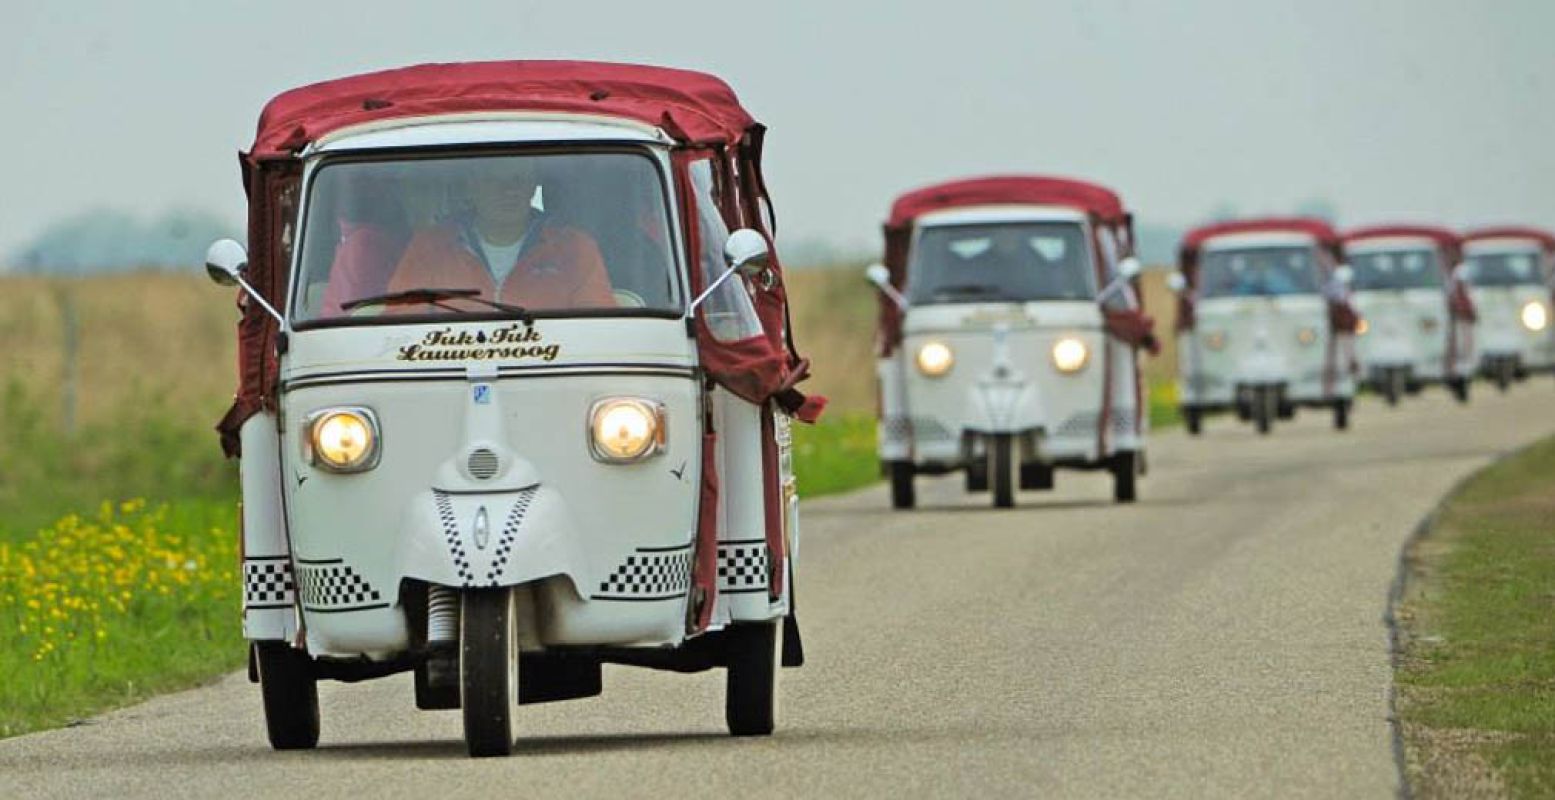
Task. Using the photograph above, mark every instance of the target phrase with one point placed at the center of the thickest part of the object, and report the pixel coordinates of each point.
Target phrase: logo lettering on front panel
(512, 343)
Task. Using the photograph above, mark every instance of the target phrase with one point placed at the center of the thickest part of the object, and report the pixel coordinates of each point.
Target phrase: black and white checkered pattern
(267, 582)
(649, 575)
(445, 514)
(742, 566)
(332, 587)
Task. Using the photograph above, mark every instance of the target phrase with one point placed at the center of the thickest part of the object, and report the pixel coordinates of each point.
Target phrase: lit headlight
(1306, 336)
(342, 439)
(1535, 317)
(935, 359)
(626, 429)
(1215, 340)
(1361, 327)
(1069, 354)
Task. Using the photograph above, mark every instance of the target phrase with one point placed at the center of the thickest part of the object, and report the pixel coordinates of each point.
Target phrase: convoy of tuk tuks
(516, 380)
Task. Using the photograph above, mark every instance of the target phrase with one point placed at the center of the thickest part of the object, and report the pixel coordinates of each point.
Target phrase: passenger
(501, 245)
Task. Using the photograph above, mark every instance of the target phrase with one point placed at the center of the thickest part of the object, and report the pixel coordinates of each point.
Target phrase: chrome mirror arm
(263, 303)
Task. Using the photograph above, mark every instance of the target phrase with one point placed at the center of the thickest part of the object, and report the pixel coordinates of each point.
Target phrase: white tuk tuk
(1509, 270)
(1009, 336)
(1417, 317)
(513, 400)
(1264, 324)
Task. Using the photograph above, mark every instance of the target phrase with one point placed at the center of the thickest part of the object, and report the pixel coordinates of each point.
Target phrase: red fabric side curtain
(1134, 327)
(888, 335)
(1342, 317)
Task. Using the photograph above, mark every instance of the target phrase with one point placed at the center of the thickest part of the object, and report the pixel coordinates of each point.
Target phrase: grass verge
(102, 611)
(1476, 674)
(835, 454)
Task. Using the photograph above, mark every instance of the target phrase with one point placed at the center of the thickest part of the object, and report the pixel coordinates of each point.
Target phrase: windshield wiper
(966, 288)
(435, 297)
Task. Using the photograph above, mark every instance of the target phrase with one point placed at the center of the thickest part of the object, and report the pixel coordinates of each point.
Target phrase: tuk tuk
(514, 402)
(1264, 322)
(1508, 270)
(1008, 337)
(1417, 316)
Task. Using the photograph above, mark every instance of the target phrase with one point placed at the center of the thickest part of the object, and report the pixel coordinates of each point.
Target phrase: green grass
(1479, 630)
(836, 454)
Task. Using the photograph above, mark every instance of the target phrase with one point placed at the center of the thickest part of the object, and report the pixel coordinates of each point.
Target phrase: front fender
(1006, 406)
(470, 540)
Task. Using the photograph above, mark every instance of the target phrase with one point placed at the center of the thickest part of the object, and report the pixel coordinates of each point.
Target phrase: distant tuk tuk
(1264, 322)
(1509, 271)
(1417, 316)
(514, 402)
(1009, 335)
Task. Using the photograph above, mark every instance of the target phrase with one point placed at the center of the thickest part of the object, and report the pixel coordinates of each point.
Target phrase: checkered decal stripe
(742, 566)
(649, 575)
(335, 587)
(445, 515)
(267, 583)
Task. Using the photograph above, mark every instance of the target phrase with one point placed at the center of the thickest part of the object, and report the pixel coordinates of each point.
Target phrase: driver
(507, 248)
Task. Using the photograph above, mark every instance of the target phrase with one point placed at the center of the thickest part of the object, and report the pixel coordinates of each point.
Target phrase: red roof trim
(1091, 198)
(1316, 228)
(1442, 236)
(1544, 238)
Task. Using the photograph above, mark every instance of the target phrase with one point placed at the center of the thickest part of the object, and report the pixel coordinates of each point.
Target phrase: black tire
(1390, 386)
(1503, 375)
(291, 695)
(1193, 419)
(903, 495)
(754, 651)
(1341, 415)
(976, 474)
(1264, 410)
(1001, 469)
(1125, 473)
(1459, 388)
(488, 670)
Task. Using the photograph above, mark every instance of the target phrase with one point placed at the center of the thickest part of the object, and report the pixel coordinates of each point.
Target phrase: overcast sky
(1407, 109)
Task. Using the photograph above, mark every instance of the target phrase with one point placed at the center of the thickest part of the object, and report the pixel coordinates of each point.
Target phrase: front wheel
(1264, 409)
(1503, 375)
(1341, 415)
(1125, 473)
(754, 651)
(1459, 388)
(1001, 469)
(291, 695)
(903, 495)
(1392, 386)
(488, 670)
(1193, 419)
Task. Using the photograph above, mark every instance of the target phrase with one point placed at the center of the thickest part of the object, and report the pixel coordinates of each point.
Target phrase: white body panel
(1500, 332)
(269, 577)
(1003, 379)
(1405, 328)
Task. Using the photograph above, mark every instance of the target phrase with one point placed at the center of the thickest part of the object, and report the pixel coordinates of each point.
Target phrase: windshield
(1504, 269)
(1396, 269)
(1258, 272)
(548, 234)
(1001, 262)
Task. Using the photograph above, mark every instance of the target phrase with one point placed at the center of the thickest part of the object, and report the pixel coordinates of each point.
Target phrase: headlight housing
(625, 430)
(1070, 354)
(1306, 336)
(342, 439)
(935, 359)
(1535, 316)
(1362, 326)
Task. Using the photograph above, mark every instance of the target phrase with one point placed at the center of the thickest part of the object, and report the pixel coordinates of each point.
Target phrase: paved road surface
(1223, 637)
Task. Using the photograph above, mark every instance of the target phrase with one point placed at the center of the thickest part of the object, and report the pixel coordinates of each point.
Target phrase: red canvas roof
(1442, 236)
(1004, 190)
(1544, 238)
(1316, 228)
(690, 106)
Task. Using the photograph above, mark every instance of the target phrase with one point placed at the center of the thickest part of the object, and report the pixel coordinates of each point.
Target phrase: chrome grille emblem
(481, 531)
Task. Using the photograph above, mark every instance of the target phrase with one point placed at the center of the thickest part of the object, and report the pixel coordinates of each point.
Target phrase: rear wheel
(903, 495)
(291, 695)
(1125, 471)
(750, 693)
(488, 670)
(1001, 469)
(1193, 419)
(1341, 415)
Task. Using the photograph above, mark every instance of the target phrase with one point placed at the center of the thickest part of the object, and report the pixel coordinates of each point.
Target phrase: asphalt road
(1223, 637)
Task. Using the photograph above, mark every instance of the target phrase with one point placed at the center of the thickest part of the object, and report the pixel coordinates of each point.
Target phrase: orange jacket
(561, 269)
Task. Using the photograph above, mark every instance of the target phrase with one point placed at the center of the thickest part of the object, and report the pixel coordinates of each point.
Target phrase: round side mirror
(1129, 268)
(877, 274)
(1463, 273)
(1345, 274)
(1176, 282)
(748, 252)
(225, 262)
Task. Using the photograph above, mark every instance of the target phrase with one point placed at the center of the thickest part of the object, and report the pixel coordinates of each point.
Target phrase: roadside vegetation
(1476, 672)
